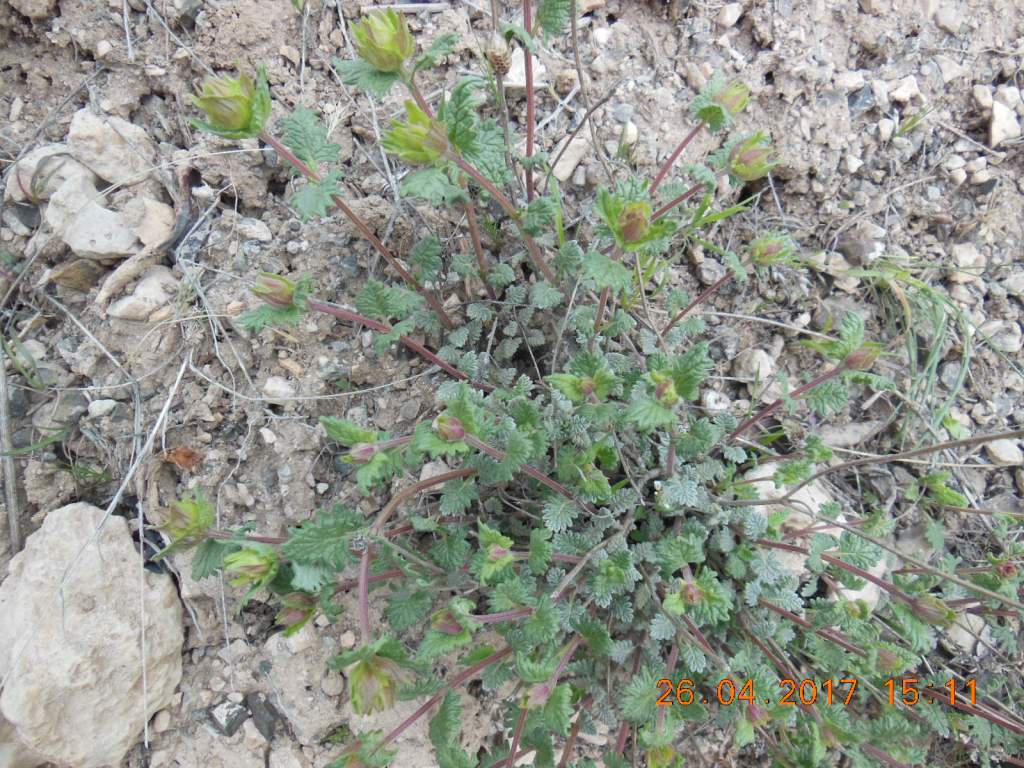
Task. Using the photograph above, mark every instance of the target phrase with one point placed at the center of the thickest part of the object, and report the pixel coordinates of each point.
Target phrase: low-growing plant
(595, 551)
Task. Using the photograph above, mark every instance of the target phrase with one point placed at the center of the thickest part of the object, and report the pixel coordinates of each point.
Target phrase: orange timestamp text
(806, 692)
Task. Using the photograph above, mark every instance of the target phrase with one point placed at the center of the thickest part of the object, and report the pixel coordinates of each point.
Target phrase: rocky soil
(899, 128)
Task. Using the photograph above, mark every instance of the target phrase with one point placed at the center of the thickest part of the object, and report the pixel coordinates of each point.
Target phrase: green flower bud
(932, 610)
(383, 40)
(419, 140)
(275, 289)
(373, 683)
(362, 453)
(255, 566)
(190, 517)
(751, 159)
(771, 249)
(690, 593)
(634, 222)
(757, 715)
(888, 662)
(235, 107)
(448, 428)
(733, 98)
(663, 756)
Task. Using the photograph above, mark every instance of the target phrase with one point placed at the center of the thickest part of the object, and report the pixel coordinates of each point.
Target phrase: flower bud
(862, 358)
(770, 249)
(665, 389)
(931, 610)
(634, 222)
(252, 566)
(235, 107)
(888, 662)
(275, 289)
(296, 609)
(420, 140)
(691, 593)
(757, 715)
(751, 158)
(1007, 570)
(383, 40)
(662, 756)
(448, 428)
(733, 98)
(857, 609)
(498, 53)
(362, 453)
(372, 684)
(539, 695)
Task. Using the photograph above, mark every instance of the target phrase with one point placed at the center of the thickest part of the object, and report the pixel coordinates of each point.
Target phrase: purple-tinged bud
(255, 566)
(1007, 570)
(362, 453)
(634, 222)
(296, 609)
(662, 756)
(757, 715)
(691, 593)
(539, 695)
(664, 389)
(770, 249)
(752, 158)
(888, 662)
(372, 684)
(496, 552)
(448, 428)
(275, 289)
(733, 98)
(932, 610)
(863, 358)
(235, 107)
(419, 139)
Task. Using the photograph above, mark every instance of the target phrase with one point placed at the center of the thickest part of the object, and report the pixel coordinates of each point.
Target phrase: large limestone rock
(114, 149)
(73, 694)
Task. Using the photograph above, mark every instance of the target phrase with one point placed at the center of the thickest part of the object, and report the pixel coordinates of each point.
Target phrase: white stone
(1014, 284)
(34, 9)
(886, 127)
(515, 78)
(949, 69)
(100, 408)
(574, 153)
(714, 402)
(1006, 453)
(42, 171)
(602, 35)
(103, 49)
(1004, 125)
(969, 261)
(287, 755)
(1003, 335)
(1008, 95)
(905, 90)
(114, 149)
(278, 389)
(729, 14)
(150, 220)
(755, 367)
(254, 229)
(154, 290)
(982, 96)
(948, 19)
(269, 438)
(802, 510)
(72, 664)
(85, 226)
(433, 469)
(850, 80)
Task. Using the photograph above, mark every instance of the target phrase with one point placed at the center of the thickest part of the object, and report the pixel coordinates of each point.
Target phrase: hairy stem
(523, 712)
(311, 174)
(530, 105)
(364, 595)
(702, 297)
(455, 682)
(406, 493)
(575, 731)
(415, 346)
(670, 161)
(531, 246)
(800, 391)
(676, 201)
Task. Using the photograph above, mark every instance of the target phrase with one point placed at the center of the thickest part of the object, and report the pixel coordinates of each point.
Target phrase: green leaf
(689, 370)
(559, 513)
(383, 302)
(596, 634)
(434, 186)
(452, 550)
(364, 76)
(346, 432)
(558, 709)
(540, 214)
(553, 16)
(458, 495)
(306, 136)
(541, 550)
(407, 609)
(495, 552)
(639, 697)
(501, 275)
(324, 540)
(209, 557)
(647, 414)
(828, 397)
(543, 295)
(677, 551)
(426, 441)
(459, 113)
(425, 259)
(600, 272)
(381, 468)
(309, 578)
(442, 46)
(313, 199)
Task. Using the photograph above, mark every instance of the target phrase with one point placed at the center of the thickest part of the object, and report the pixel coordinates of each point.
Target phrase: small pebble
(729, 14)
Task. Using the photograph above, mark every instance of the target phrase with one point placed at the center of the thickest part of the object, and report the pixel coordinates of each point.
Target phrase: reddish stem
(523, 712)
(800, 391)
(575, 732)
(360, 225)
(364, 595)
(670, 668)
(702, 297)
(673, 203)
(415, 346)
(455, 682)
(412, 490)
(667, 165)
(530, 117)
(531, 246)
(829, 634)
